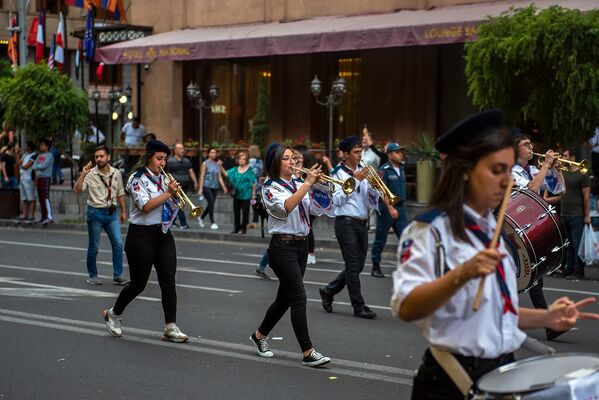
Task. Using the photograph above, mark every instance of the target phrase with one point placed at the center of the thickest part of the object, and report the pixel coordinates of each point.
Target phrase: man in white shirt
(594, 141)
(133, 132)
(94, 135)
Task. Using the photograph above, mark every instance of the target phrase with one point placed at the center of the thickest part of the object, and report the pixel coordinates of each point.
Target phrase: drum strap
(453, 369)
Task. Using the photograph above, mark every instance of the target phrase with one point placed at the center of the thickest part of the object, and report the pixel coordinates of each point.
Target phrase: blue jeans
(383, 223)
(98, 219)
(263, 261)
(11, 184)
(57, 174)
(574, 227)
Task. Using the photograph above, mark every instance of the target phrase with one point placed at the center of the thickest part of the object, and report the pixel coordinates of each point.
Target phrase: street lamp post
(338, 89)
(194, 95)
(113, 98)
(96, 97)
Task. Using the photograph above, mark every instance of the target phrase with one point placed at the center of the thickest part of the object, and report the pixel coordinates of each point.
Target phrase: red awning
(442, 25)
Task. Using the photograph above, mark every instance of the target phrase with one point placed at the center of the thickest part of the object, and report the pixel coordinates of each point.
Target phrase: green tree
(541, 68)
(43, 102)
(260, 128)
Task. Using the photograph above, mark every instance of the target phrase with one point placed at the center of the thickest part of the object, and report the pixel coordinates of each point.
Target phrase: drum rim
(514, 364)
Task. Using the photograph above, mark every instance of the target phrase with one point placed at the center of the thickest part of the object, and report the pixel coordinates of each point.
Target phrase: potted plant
(426, 154)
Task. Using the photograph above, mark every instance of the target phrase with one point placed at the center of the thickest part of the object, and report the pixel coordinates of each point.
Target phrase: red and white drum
(537, 236)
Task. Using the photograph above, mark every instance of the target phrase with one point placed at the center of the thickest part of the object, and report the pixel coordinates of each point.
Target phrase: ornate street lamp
(338, 89)
(113, 103)
(194, 95)
(96, 97)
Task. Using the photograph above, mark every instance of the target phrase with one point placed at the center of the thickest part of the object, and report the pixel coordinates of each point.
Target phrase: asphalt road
(54, 344)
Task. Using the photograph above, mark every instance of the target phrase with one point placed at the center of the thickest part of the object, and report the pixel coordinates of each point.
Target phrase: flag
(40, 41)
(52, 51)
(78, 59)
(88, 41)
(32, 36)
(115, 7)
(100, 71)
(12, 42)
(59, 48)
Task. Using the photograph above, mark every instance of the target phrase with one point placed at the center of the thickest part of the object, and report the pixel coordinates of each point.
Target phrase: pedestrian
(288, 251)
(547, 178)
(57, 175)
(104, 186)
(436, 288)
(133, 132)
(94, 135)
(594, 141)
(396, 215)
(7, 135)
(43, 177)
(351, 230)
(210, 180)
(149, 240)
(26, 185)
(7, 166)
(180, 167)
(257, 166)
(575, 214)
(243, 181)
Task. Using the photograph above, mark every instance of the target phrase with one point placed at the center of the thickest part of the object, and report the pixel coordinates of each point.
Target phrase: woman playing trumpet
(149, 240)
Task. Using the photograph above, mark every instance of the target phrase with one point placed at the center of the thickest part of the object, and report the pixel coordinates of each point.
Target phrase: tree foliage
(43, 102)
(260, 128)
(541, 68)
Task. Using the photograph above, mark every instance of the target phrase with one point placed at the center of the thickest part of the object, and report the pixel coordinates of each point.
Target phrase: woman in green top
(243, 180)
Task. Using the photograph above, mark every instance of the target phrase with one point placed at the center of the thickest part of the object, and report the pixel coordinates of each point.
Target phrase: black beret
(270, 154)
(156, 146)
(516, 133)
(469, 129)
(349, 143)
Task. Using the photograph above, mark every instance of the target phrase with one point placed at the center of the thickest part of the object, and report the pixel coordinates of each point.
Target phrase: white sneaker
(201, 222)
(214, 226)
(113, 323)
(174, 334)
(311, 259)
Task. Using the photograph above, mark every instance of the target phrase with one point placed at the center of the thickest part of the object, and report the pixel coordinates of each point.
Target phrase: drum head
(537, 373)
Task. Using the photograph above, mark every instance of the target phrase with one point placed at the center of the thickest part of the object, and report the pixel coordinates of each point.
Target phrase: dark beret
(156, 146)
(469, 129)
(349, 143)
(270, 154)
(516, 133)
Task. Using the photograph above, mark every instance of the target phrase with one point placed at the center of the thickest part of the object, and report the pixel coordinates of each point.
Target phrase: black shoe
(575, 276)
(327, 300)
(120, 281)
(376, 271)
(314, 359)
(61, 181)
(259, 272)
(552, 335)
(365, 313)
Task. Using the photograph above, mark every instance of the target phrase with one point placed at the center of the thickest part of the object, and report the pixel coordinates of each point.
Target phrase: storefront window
(348, 115)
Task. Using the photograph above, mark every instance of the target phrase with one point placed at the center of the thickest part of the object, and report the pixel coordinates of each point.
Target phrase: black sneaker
(315, 359)
(327, 300)
(262, 345)
(376, 271)
(365, 313)
(260, 272)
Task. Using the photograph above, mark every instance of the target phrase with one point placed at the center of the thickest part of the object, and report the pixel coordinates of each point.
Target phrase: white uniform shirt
(142, 189)
(522, 178)
(486, 333)
(25, 174)
(595, 141)
(274, 195)
(354, 205)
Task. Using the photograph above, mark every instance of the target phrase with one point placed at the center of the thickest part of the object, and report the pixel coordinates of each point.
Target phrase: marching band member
(351, 230)
(548, 179)
(288, 204)
(149, 240)
(443, 254)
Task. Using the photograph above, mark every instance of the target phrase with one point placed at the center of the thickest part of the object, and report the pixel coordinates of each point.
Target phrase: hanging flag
(78, 59)
(59, 49)
(32, 36)
(88, 41)
(52, 51)
(40, 42)
(12, 42)
(100, 71)
(115, 7)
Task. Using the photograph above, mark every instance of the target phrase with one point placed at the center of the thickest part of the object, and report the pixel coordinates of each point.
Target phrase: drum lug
(541, 260)
(558, 248)
(520, 231)
(551, 210)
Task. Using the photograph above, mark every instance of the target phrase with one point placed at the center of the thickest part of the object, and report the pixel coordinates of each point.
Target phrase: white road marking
(374, 372)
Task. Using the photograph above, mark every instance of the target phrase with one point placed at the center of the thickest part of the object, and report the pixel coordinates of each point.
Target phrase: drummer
(548, 178)
(443, 254)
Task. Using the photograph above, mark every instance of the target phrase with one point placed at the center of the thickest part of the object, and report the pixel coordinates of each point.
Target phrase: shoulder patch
(406, 250)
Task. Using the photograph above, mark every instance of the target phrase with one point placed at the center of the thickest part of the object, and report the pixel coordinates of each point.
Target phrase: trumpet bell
(583, 167)
(196, 211)
(349, 186)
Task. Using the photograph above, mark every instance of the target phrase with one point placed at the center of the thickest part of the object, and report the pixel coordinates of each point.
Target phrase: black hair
(30, 144)
(274, 169)
(103, 148)
(300, 147)
(573, 152)
(136, 119)
(46, 142)
(451, 189)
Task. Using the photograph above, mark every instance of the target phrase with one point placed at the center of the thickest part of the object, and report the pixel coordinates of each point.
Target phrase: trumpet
(375, 182)
(348, 186)
(181, 198)
(567, 165)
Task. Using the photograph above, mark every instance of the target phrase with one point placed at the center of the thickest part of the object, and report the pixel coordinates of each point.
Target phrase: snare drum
(536, 235)
(543, 377)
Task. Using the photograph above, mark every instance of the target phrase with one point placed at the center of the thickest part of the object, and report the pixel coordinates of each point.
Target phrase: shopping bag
(587, 251)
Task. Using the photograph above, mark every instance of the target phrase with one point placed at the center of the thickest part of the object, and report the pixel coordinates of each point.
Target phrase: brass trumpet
(181, 198)
(375, 182)
(348, 186)
(583, 166)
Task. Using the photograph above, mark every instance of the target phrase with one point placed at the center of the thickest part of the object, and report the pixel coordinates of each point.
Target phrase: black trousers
(432, 383)
(311, 243)
(147, 245)
(288, 258)
(352, 235)
(536, 295)
(595, 163)
(241, 207)
(210, 195)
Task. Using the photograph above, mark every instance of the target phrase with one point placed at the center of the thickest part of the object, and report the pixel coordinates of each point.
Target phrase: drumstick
(493, 244)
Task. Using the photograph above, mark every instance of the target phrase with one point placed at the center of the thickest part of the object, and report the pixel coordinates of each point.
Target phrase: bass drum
(536, 235)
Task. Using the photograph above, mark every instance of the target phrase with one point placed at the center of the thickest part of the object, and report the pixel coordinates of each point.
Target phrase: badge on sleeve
(268, 194)
(135, 186)
(406, 250)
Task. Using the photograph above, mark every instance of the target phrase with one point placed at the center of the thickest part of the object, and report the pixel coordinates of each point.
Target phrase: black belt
(284, 236)
(353, 219)
(475, 363)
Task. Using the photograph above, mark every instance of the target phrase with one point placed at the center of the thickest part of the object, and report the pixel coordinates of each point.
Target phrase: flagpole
(22, 36)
